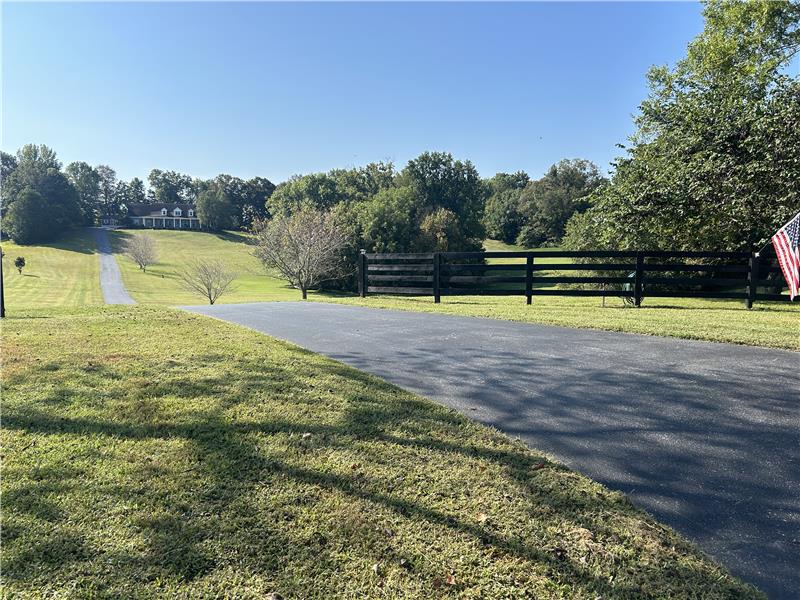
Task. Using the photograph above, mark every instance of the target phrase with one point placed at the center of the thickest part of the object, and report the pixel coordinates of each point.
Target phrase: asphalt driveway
(111, 284)
(704, 436)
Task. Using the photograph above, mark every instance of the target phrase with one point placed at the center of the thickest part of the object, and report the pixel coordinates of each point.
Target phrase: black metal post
(437, 297)
(2, 288)
(752, 281)
(362, 274)
(637, 285)
(529, 280)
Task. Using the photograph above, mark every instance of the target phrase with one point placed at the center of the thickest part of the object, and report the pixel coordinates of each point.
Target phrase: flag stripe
(787, 248)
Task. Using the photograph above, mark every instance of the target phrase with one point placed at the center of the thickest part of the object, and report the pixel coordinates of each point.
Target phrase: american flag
(787, 247)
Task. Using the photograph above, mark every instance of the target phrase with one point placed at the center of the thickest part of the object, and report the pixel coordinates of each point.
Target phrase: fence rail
(626, 274)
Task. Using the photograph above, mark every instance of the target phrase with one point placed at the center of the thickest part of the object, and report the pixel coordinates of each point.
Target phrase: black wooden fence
(628, 274)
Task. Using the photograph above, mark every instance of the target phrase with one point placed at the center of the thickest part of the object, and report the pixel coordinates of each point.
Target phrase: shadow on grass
(189, 532)
(76, 240)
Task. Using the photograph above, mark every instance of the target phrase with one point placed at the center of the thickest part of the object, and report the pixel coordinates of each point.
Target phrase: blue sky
(276, 89)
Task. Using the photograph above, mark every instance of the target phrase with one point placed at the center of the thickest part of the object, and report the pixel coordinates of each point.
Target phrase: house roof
(145, 210)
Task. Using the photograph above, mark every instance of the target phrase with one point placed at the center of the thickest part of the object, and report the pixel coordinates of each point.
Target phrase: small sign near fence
(627, 274)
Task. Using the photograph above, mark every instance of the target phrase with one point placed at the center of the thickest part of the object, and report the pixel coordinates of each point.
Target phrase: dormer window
(191, 212)
(163, 212)
(176, 212)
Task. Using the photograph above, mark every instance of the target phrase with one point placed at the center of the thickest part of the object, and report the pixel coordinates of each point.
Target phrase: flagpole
(764, 246)
(779, 228)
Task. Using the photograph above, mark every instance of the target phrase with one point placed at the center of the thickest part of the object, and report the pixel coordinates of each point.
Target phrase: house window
(191, 212)
(176, 212)
(163, 212)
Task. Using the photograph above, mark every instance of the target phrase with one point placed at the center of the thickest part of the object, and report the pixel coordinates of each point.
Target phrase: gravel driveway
(705, 436)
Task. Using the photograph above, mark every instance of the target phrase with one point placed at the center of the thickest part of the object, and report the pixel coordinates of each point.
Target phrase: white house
(164, 216)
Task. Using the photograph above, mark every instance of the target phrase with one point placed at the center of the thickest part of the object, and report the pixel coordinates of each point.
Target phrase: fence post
(529, 279)
(362, 273)
(437, 259)
(752, 281)
(637, 282)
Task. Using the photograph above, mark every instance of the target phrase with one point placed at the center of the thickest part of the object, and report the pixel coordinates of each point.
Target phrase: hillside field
(63, 273)
(160, 284)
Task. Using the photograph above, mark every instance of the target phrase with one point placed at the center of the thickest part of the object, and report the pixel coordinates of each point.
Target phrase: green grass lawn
(63, 273)
(498, 246)
(160, 285)
(773, 324)
(154, 453)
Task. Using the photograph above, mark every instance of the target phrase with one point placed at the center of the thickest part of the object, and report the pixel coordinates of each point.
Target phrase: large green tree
(548, 203)
(325, 190)
(502, 217)
(171, 187)
(26, 220)
(388, 222)
(86, 181)
(441, 182)
(215, 210)
(38, 169)
(715, 161)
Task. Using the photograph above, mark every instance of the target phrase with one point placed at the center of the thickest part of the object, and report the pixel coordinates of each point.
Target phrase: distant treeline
(40, 199)
(435, 202)
(714, 165)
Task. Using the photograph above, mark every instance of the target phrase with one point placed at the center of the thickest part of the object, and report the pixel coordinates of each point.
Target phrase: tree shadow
(236, 445)
(233, 236)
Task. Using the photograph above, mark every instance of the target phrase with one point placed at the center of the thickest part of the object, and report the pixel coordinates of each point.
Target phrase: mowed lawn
(65, 272)
(153, 453)
(769, 324)
(772, 324)
(160, 284)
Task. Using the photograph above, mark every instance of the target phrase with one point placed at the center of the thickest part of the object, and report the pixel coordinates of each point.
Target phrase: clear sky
(275, 89)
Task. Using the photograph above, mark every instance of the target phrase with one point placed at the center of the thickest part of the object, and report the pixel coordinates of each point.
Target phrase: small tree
(20, 263)
(306, 247)
(141, 249)
(208, 278)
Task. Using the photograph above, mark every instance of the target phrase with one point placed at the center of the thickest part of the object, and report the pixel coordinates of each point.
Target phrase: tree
(208, 278)
(141, 249)
(86, 181)
(325, 190)
(388, 221)
(439, 181)
(8, 164)
(547, 204)
(136, 193)
(108, 204)
(19, 263)
(38, 169)
(502, 217)
(171, 187)
(215, 210)
(317, 190)
(26, 220)
(713, 163)
(441, 231)
(306, 248)
(254, 202)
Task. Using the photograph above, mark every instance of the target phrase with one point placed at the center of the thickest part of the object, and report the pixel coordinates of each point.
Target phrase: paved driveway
(114, 291)
(705, 436)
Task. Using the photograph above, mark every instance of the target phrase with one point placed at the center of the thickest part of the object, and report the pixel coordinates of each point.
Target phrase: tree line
(435, 202)
(41, 198)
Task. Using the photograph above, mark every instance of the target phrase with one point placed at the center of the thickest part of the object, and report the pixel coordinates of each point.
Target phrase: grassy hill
(62, 273)
(153, 453)
(160, 285)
